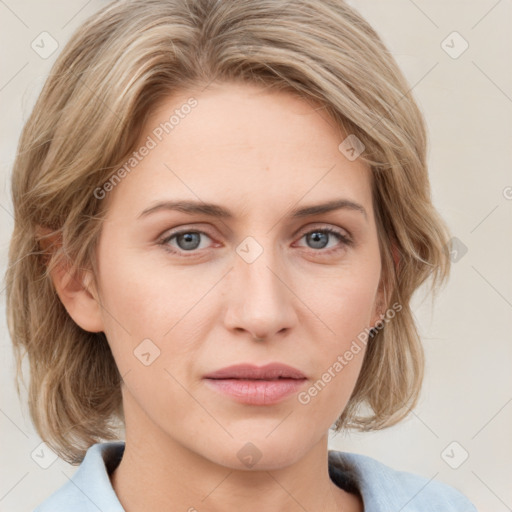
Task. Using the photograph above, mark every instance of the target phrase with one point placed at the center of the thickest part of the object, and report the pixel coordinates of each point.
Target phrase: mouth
(252, 385)
(272, 371)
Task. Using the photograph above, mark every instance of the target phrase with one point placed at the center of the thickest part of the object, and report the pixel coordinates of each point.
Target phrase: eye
(319, 239)
(185, 241)
(189, 241)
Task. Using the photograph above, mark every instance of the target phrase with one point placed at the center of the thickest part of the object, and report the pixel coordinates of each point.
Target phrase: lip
(256, 385)
(252, 372)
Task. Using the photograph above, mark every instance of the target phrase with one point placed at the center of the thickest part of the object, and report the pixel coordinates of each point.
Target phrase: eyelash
(346, 241)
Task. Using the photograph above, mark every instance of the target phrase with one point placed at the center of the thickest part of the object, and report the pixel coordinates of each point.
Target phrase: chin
(259, 452)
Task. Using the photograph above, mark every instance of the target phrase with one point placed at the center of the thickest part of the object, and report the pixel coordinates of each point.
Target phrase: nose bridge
(260, 301)
(259, 274)
(257, 268)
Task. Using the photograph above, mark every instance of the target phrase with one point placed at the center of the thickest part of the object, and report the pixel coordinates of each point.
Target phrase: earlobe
(75, 294)
(381, 303)
(396, 257)
(75, 291)
(379, 312)
(383, 297)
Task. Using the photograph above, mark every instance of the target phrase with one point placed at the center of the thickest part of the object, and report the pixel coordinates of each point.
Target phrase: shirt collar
(381, 487)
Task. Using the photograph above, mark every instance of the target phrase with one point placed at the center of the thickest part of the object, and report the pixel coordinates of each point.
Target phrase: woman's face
(186, 292)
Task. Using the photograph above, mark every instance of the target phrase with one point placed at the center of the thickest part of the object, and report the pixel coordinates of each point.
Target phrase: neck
(158, 473)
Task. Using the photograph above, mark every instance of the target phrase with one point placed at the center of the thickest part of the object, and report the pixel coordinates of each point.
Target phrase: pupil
(191, 240)
(319, 236)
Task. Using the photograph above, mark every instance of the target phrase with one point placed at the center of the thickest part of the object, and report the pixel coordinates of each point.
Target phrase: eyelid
(324, 226)
(167, 235)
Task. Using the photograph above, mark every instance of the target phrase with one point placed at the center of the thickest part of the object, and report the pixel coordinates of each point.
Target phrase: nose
(260, 301)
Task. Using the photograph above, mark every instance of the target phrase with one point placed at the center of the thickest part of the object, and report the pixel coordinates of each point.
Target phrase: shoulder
(384, 488)
(89, 489)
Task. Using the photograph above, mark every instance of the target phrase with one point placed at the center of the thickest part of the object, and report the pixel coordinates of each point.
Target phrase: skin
(260, 154)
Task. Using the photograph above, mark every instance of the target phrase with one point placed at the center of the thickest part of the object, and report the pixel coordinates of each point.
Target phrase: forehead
(241, 144)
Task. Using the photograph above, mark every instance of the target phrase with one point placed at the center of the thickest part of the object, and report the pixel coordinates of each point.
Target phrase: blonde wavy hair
(110, 76)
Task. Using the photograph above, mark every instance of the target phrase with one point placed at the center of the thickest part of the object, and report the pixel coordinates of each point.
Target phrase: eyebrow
(215, 210)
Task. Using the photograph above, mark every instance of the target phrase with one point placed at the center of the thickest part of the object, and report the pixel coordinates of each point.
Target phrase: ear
(76, 291)
(383, 296)
(396, 256)
(379, 307)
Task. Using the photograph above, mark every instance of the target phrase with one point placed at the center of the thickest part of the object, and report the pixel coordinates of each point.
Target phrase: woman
(222, 210)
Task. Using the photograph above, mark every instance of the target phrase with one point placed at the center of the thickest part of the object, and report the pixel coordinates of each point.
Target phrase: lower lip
(257, 392)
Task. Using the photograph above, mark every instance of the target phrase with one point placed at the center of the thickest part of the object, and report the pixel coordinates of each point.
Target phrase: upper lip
(249, 371)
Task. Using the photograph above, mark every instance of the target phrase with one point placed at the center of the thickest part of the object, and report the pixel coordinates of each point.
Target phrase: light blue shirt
(382, 488)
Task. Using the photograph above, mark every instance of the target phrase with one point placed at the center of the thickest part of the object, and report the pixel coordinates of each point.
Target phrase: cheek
(148, 330)
(345, 302)
(345, 306)
(338, 367)
(152, 318)
(353, 311)
(147, 301)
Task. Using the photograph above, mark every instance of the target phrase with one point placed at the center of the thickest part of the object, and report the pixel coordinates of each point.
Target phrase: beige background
(467, 100)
